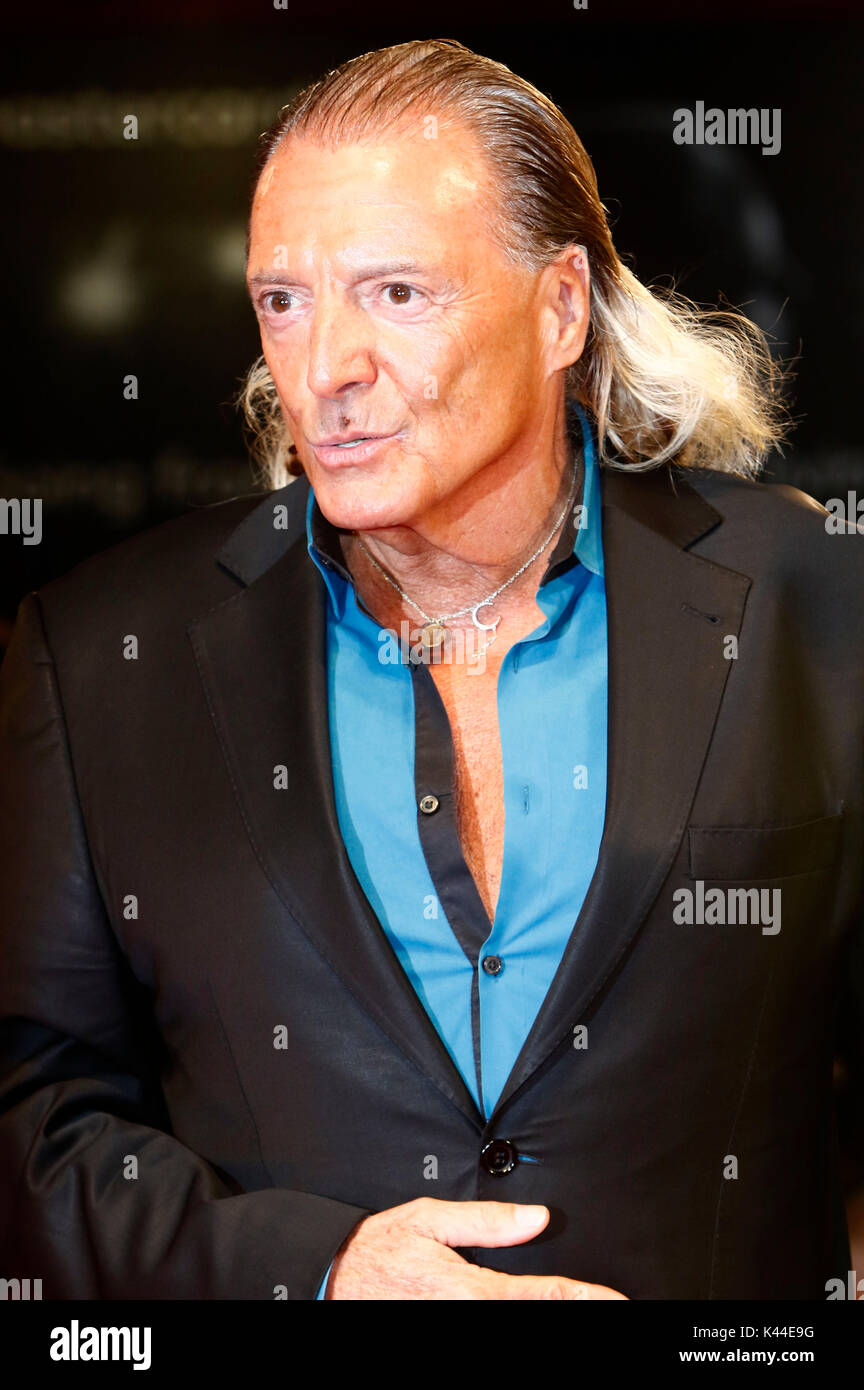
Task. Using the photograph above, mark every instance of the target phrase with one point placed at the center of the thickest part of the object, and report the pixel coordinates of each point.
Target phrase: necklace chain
(473, 607)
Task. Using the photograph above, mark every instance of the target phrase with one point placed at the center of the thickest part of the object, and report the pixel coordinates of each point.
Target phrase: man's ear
(568, 301)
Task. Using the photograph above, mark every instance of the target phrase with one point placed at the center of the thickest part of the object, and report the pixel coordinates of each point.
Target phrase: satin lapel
(261, 656)
(668, 613)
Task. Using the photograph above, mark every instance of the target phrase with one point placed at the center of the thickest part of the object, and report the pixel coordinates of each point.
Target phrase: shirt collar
(580, 541)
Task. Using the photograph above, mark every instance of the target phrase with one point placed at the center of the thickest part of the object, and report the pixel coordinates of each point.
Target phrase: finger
(553, 1288)
(486, 1224)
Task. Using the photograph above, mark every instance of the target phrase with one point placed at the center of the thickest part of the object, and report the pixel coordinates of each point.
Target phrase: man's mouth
(364, 447)
(344, 441)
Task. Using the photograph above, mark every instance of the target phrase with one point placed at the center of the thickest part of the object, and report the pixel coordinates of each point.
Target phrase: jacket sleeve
(79, 1086)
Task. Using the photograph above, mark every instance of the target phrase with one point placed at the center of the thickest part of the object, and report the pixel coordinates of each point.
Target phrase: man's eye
(277, 301)
(400, 294)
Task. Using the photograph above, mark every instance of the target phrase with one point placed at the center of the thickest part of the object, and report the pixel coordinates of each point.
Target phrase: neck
(445, 568)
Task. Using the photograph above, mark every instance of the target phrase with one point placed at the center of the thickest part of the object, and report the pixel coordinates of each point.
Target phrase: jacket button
(499, 1157)
(493, 965)
(429, 804)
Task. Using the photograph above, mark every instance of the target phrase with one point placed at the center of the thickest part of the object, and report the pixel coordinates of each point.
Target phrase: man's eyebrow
(368, 272)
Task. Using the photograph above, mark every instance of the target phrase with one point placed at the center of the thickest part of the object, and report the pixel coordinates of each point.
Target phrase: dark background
(127, 256)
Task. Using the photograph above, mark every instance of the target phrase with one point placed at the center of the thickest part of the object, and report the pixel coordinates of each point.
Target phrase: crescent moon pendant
(484, 627)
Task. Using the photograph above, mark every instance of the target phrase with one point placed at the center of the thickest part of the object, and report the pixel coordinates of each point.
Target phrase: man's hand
(405, 1252)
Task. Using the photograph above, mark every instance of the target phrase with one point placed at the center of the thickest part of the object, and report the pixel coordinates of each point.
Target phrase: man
(438, 878)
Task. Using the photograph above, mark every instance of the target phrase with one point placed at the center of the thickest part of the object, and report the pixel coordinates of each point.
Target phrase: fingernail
(529, 1216)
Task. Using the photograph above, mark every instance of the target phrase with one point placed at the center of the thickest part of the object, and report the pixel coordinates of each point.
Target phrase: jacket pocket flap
(773, 851)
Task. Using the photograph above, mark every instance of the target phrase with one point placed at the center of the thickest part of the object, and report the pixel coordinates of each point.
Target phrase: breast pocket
(763, 852)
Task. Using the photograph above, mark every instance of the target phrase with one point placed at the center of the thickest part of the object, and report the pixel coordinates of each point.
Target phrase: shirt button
(493, 965)
(429, 804)
(499, 1157)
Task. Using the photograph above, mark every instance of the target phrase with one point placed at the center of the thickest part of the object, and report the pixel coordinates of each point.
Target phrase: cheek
(445, 367)
(274, 358)
(286, 389)
(285, 365)
(476, 370)
(486, 348)
(410, 352)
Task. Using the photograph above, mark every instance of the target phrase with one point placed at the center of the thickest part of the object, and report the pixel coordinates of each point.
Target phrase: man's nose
(341, 348)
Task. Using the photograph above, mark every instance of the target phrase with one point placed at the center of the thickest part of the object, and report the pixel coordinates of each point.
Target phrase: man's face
(386, 309)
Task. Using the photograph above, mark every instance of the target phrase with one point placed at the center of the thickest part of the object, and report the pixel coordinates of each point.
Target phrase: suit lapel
(261, 658)
(262, 661)
(668, 612)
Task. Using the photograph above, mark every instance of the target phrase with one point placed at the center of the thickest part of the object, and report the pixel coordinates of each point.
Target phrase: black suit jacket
(170, 915)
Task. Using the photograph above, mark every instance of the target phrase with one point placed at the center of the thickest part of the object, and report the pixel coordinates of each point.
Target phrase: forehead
(368, 192)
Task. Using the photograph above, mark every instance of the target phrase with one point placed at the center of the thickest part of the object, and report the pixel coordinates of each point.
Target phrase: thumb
(555, 1287)
(485, 1224)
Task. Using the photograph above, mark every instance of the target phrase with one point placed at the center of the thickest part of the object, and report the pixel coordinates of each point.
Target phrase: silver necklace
(434, 629)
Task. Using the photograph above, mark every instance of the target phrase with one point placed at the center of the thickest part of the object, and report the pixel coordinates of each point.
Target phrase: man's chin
(363, 503)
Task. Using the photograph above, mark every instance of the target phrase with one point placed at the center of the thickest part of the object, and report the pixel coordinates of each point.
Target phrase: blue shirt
(482, 985)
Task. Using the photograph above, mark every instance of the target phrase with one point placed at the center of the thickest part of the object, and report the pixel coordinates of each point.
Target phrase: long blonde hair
(662, 378)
